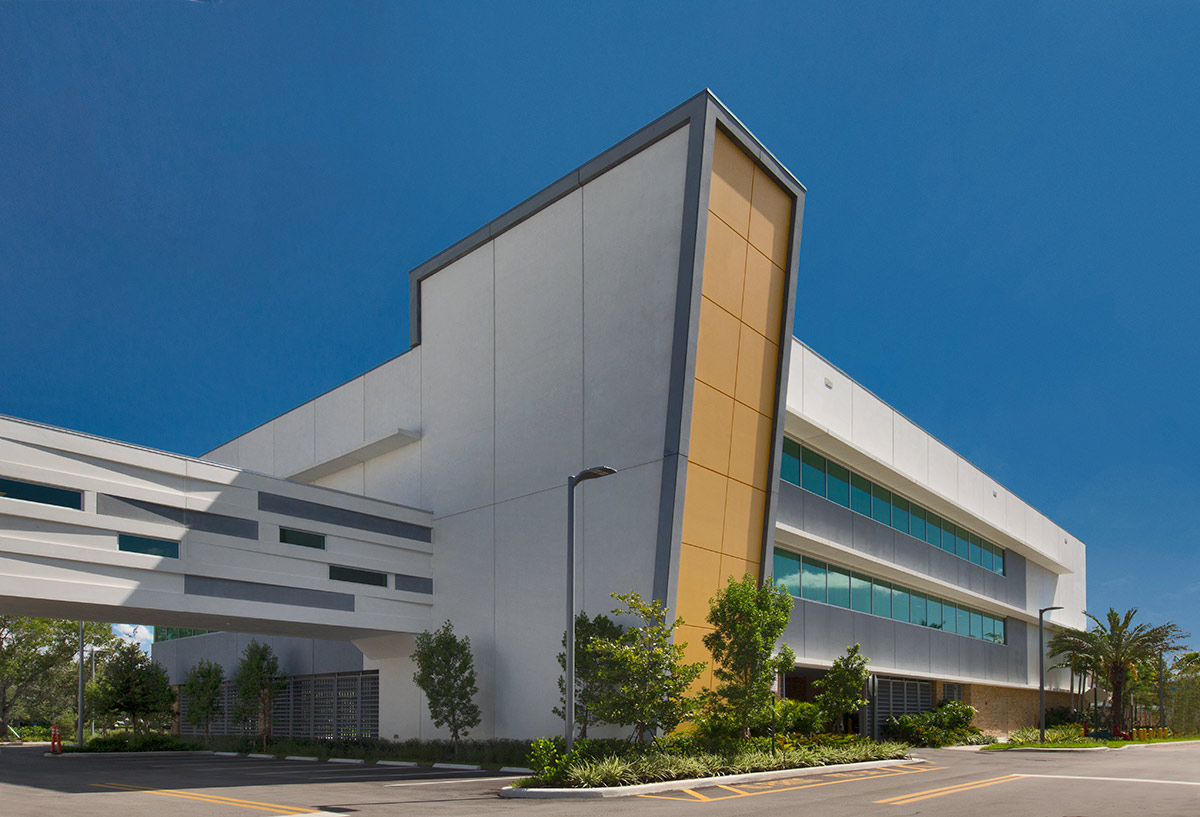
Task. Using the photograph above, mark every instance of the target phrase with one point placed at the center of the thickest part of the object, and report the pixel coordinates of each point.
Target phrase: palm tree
(1116, 645)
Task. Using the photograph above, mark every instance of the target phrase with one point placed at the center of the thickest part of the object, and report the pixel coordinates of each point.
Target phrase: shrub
(1064, 733)
(1058, 715)
(949, 723)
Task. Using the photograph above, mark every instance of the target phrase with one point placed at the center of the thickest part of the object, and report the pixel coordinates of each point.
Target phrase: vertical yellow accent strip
(737, 354)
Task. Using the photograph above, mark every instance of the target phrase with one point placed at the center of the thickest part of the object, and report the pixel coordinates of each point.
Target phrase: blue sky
(208, 210)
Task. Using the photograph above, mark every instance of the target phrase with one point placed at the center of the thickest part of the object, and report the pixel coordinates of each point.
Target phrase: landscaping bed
(621, 763)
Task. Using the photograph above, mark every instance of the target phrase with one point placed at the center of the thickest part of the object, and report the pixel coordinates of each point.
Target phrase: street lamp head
(594, 473)
(1042, 611)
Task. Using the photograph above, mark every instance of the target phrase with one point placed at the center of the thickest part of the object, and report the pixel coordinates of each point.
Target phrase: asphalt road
(1159, 779)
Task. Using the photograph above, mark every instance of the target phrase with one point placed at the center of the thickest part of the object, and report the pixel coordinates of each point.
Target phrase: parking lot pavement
(211, 786)
(1148, 781)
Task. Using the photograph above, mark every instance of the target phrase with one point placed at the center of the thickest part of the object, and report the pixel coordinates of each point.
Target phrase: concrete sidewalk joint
(696, 783)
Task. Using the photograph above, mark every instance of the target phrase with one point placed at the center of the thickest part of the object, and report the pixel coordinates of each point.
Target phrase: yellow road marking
(732, 789)
(212, 798)
(913, 797)
(865, 775)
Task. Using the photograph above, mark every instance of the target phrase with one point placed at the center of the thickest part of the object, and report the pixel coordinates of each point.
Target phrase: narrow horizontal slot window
(354, 574)
(148, 546)
(302, 538)
(42, 494)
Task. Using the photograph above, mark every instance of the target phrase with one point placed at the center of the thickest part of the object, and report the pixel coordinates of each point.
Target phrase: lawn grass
(1086, 743)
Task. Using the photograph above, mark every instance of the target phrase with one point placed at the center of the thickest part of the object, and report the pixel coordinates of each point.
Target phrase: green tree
(446, 674)
(202, 695)
(35, 661)
(748, 621)
(590, 683)
(840, 691)
(643, 671)
(1117, 646)
(256, 682)
(135, 687)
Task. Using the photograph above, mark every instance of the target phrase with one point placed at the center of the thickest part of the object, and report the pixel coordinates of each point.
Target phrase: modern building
(637, 313)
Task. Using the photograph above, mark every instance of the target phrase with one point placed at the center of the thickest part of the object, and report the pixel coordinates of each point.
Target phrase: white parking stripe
(1113, 779)
(438, 782)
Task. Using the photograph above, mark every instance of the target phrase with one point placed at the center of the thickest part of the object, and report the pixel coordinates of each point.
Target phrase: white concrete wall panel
(827, 406)
(457, 385)
(910, 447)
(295, 440)
(393, 395)
(395, 476)
(970, 487)
(995, 503)
(464, 581)
(631, 222)
(530, 613)
(1016, 512)
(795, 379)
(340, 420)
(257, 450)
(871, 429)
(539, 350)
(619, 516)
(228, 454)
(352, 480)
(943, 470)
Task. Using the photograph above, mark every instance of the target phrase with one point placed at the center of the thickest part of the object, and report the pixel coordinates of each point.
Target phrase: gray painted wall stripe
(414, 584)
(285, 505)
(270, 593)
(671, 492)
(126, 508)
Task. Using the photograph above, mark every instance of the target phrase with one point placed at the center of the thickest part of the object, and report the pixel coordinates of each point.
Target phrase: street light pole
(79, 713)
(572, 481)
(1042, 668)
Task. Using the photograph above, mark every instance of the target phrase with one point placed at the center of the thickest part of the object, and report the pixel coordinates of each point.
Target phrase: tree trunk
(1118, 704)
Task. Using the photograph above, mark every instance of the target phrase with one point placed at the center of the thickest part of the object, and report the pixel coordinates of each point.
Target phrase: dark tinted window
(148, 546)
(42, 494)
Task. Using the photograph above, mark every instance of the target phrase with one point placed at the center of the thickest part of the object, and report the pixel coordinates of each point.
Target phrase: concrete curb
(226, 754)
(695, 783)
(130, 754)
(516, 770)
(346, 760)
(1063, 749)
(405, 763)
(301, 757)
(462, 767)
(260, 756)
